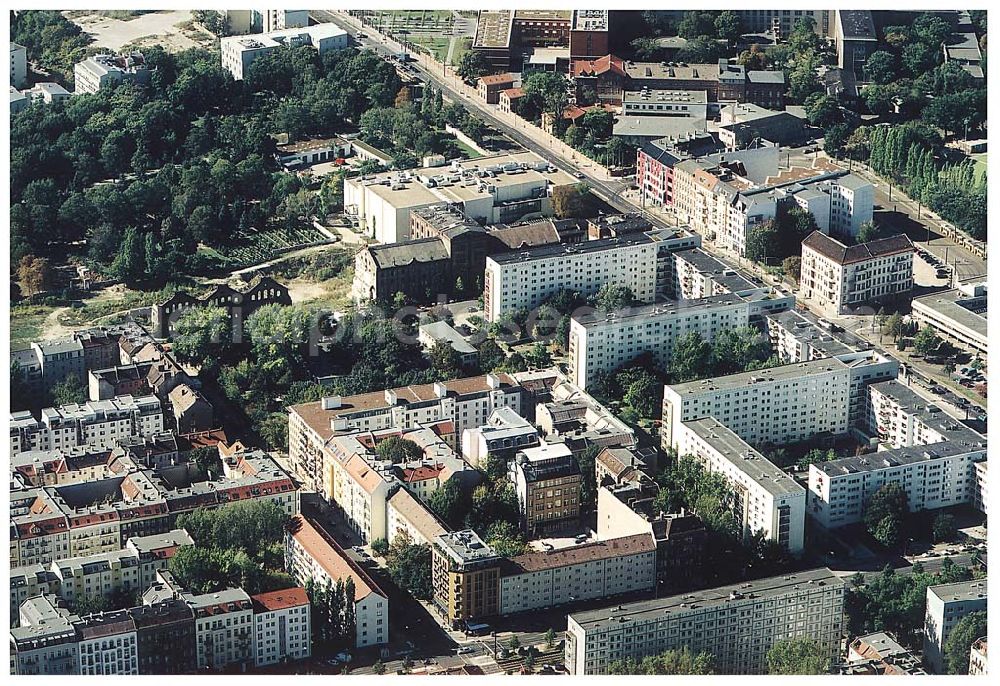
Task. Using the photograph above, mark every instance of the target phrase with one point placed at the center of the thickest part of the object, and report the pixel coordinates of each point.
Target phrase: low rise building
(742, 123)
(947, 604)
(47, 92)
(466, 578)
(879, 654)
(958, 315)
(603, 569)
(107, 71)
(604, 75)
(312, 555)
(490, 86)
(840, 278)
(312, 151)
(443, 333)
(547, 481)
(736, 624)
(239, 52)
(504, 433)
(281, 626)
(696, 274)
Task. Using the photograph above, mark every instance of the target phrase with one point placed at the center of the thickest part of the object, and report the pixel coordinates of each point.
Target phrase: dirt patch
(174, 30)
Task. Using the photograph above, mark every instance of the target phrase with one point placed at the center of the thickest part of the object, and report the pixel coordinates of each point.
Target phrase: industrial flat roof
(946, 305)
(655, 126)
(493, 29)
(974, 589)
(780, 373)
(559, 250)
(655, 95)
(760, 589)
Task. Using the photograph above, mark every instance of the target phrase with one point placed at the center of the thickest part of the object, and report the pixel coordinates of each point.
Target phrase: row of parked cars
(941, 269)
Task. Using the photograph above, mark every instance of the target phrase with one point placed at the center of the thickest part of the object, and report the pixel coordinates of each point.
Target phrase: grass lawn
(437, 45)
(413, 18)
(469, 152)
(462, 46)
(980, 163)
(26, 323)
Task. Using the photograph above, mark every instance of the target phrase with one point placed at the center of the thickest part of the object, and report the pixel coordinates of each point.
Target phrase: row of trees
(733, 350)
(673, 662)
(334, 623)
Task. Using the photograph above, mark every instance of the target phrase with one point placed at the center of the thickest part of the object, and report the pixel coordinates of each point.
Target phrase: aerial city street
(502, 341)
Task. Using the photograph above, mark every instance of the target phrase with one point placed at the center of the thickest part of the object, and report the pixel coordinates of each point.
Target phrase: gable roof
(602, 65)
(834, 250)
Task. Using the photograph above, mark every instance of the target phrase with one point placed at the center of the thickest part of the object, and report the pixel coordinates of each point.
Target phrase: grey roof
(930, 414)
(645, 312)
(442, 331)
(464, 546)
(557, 250)
(847, 254)
(887, 459)
(408, 252)
(806, 332)
(780, 373)
(852, 182)
(760, 589)
(960, 590)
(55, 346)
(766, 76)
(947, 304)
(653, 126)
(749, 461)
(857, 24)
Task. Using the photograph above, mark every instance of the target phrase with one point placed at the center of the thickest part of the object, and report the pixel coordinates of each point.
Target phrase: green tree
(803, 80)
(792, 266)
(449, 503)
(943, 529)
(728, 27)
(885, 513)
(571, 201)
(613, 296)
(445, 359)
(550, 638)
(672, 662)
(798, 656)
(514, 643)
(130, 264)
(279, 331)
(71, 389)
(378, 668)
(697, 23)
(587, 460)
(410, 567)
(881, 67)
(207, 460)
(692, 357)
(823, 110)
(202, 333)
(835, 139)
(762, 241)
(895, 326)
(926, 341)
(643, 395)
(396, 450)
(956, 649)
(490, 355)
(472, 65)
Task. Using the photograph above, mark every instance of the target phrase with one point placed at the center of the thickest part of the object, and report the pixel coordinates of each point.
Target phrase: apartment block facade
(947, 604)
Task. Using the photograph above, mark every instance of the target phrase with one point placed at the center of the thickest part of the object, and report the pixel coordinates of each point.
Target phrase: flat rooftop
(783, 372)
(761, 589)
(960, 590)
(465, 546)
(749, 461)
(656, 95)
(646, 312)
(807, 332)
(663, 70)
(493, 29)
(590, 20)
(561, 250)
(898, 457)
(543, 15)
(947, 305)
(930, 414)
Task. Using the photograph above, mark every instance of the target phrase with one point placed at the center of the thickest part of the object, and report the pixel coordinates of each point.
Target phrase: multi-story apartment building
(239, 52)
(523, 280)
(838, 277)
(312, 554)
(408, 517)
(466, 403)
(108, 644)
(282, 626)
(504, 433)
(900, 418)
(100, 424)
(466, 578)
(600, 569)
(165, 637)
(697, 274)
(45, 640)
(947, 604)
(958, 315)
(602, 341)
(494, 189)
(980, 492)
(547, 481)
(783, 404)
(933, 476)
(781, 22)
(223, 628)
(628, 509)
(18, 65)
(107, 71)
(768, 501)
(737, 624)
(978, 662)
(795, 338)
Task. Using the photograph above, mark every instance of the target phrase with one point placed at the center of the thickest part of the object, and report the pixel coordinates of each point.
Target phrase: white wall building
(602, 341)
(778, 405)
(18, 65)
(767, 500)
(838, 277)
(504, 433)
(947, 604)
(281, 626)
(105, 71)
(108, 644)
(600, 569)
(959, 315)
(522, 280)
(223, 627)
(239, 52)
(737, 624)
(408, 517)
(310, 554)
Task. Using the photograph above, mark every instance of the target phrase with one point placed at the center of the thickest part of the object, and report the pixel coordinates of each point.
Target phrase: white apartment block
(47, 92)
(467, 403)
(778, 405)
(239, 52)
(796, 338)
(542, 579)
(603, 341)
(767, 500)
(502, 188)
(45, 640)
(223, 627)
(282, 626)
(504, 433)
(108, 644)
(18, 65)
(523, 280)
(980, 494)
(105, 71)
(737, 624)
(276, 20)
(947, 604)
(696, 274)
(838, 277)
(933, 476)
(311, 554)
(100, 424)
(900, 418)
(408, 517)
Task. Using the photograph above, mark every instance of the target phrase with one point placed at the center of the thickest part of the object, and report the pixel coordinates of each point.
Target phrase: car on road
(580, 175)
(464, 650)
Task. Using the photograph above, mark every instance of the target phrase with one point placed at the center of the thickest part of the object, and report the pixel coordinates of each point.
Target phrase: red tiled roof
(422, 473)
(601, 65)
(280, 600)
(322, 548)
(495, 79)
